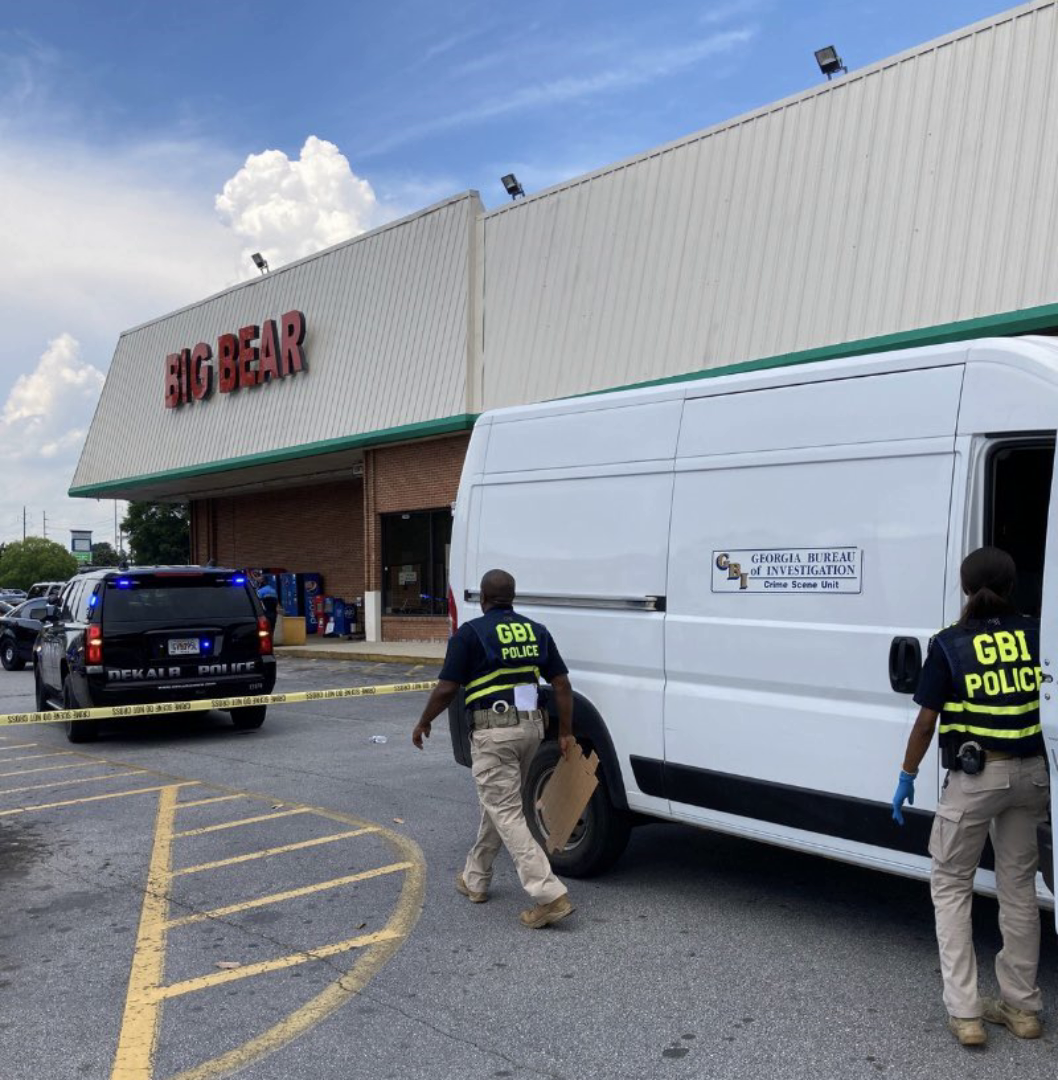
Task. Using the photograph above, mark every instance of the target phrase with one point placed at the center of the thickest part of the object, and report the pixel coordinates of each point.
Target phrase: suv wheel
(9, 655)
(599, 837)
(250, 718)
(77, 730)
(40, 697)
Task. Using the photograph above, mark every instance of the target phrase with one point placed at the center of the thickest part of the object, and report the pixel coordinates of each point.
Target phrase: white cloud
(42, 426)
(726, 10)
(636, 70)
(289, 209)
(60, 380)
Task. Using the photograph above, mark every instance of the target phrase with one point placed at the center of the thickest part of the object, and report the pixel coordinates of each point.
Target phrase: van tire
(598, 841)
(249, 718)
(9, 655)
(77, 731)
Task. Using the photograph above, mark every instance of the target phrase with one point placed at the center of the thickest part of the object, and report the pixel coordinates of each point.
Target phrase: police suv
(153, 634)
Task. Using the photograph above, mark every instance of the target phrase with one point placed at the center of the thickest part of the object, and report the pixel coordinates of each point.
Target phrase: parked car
(18, 631)
(154, 634)
(46, 589)
(6, 606)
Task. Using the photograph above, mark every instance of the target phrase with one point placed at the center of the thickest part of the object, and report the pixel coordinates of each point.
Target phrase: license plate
(184, 646)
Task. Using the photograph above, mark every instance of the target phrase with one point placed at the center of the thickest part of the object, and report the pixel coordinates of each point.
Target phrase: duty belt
(480, 719)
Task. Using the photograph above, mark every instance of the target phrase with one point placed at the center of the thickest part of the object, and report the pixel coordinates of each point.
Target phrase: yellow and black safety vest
(515, 650)
(996, 679)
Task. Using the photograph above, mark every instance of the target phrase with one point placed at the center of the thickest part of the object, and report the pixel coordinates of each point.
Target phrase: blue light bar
(239, 579)
(124, 583)
(93, 600)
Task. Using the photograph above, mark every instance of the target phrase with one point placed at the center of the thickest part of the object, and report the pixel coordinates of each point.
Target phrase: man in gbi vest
(499, 660)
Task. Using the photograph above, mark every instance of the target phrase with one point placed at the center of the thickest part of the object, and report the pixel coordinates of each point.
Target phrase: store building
(910, 202)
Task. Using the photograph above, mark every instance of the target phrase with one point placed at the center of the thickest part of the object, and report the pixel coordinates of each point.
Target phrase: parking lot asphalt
(182, 900)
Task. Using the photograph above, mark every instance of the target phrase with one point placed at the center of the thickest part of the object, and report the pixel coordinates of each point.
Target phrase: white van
(743, 574)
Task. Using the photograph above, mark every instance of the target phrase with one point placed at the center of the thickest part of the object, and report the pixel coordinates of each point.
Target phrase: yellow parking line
(49, 768)
(35, 757)
(203, 982)
(212, 799)
(241, 821)
(268, 852)
(292, 894)
(139, 1027)
(60, 783)
(94, 798)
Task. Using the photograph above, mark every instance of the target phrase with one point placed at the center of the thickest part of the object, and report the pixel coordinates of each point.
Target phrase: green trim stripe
(1007, 324)
(446, 426)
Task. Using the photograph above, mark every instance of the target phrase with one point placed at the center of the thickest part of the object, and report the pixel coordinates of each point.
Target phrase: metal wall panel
(387, 316)
(914, 193)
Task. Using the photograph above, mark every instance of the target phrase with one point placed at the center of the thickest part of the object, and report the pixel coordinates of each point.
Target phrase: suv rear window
(142, 600)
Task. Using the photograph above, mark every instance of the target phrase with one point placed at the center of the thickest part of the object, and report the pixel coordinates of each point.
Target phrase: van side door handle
(905, 664)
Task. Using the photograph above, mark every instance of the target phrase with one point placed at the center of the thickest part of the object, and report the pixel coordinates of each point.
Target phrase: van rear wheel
(599, 837)
(249, 718)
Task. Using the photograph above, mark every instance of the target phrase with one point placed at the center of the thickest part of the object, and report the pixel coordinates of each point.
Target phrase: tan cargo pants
(500, 759)
(1008, 798)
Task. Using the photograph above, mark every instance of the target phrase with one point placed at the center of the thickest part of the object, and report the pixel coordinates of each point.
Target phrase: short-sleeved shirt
(466, 659)
(936, 684)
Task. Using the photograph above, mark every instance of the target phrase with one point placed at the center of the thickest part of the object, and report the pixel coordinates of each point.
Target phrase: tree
(104, 555)
(35, 559)
(158, 533)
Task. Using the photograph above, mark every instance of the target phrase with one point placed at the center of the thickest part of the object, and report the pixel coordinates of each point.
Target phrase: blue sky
(134, 176)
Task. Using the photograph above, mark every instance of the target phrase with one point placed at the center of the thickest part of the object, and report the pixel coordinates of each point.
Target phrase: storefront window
(415, 562)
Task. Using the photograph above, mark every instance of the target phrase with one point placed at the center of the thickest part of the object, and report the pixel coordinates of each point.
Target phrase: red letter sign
(227, 350)
(201, 372)
(248, 356)
(293, 355)
(172, 380)
(268, 367)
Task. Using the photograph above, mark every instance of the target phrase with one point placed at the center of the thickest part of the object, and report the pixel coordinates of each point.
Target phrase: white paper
(525, 699)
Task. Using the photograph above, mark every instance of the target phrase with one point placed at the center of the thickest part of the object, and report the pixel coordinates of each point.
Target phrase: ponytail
(988, 577)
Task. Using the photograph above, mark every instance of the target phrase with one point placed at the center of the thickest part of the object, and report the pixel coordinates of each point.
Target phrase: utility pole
(45, 524)
(23, 524)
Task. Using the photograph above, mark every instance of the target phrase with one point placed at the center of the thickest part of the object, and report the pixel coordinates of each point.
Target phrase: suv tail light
(264, 636)
(93, 652)
(453, 617)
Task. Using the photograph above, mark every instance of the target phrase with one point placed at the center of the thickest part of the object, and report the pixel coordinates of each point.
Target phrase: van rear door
(1049, 695)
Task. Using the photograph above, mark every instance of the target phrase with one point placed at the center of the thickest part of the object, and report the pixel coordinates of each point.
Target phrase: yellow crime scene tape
(62, 716)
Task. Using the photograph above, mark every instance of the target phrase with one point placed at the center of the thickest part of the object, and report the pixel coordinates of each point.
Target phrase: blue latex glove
(905, 792)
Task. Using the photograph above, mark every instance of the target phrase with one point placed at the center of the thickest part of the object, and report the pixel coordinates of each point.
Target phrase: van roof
(1035, 353)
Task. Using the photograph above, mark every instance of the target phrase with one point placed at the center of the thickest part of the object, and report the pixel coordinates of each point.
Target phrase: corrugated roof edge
(777, 106)
(448, 425)
(464, 196)
(1008, 324)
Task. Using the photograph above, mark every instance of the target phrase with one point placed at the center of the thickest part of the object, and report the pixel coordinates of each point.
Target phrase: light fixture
(260, 262)
(829, 62)
(511, 186)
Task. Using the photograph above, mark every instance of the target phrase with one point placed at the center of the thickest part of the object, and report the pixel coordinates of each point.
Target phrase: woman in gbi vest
(981, 680)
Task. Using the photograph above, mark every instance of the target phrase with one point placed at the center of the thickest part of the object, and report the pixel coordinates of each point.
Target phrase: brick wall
(416, 476)
(335, 529)
(414, 628)
(316, 528)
